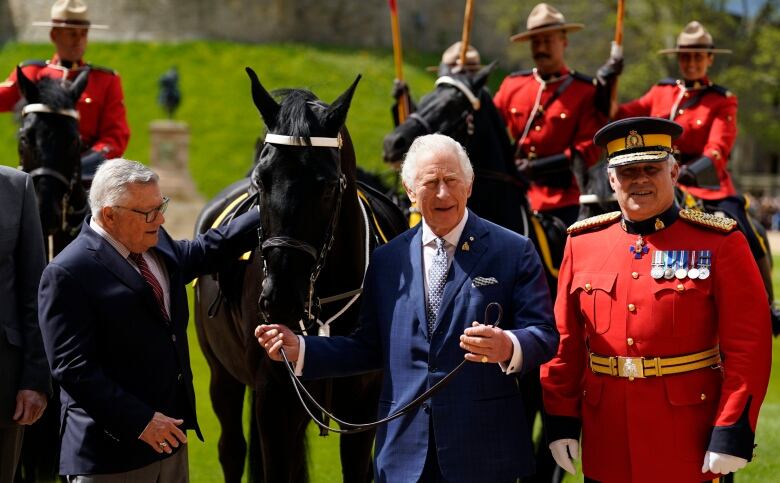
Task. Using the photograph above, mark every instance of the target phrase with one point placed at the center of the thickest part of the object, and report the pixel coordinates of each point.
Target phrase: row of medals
(680, 264)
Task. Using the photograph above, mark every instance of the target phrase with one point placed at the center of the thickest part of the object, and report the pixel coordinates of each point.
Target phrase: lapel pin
(465, 247)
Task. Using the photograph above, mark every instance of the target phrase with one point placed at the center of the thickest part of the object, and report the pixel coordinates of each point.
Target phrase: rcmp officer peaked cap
(545, 18)
(637, 140)
(451, 58)
(69, 14)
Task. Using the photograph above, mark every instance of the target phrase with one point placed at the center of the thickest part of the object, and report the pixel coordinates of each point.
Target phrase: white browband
(445, 79)
(299, 141)
(44, 108)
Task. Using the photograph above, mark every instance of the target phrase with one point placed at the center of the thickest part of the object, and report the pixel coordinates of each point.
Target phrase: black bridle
(70, 184)
(313, 304)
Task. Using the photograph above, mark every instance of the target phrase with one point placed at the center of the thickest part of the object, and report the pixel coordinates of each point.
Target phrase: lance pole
(617, 51)
(468, 16)
(403, 101)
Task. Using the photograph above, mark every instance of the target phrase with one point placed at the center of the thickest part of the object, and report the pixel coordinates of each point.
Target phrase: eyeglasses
(150, 215)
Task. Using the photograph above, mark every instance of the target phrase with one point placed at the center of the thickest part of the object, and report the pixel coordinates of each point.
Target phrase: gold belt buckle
(631, 367)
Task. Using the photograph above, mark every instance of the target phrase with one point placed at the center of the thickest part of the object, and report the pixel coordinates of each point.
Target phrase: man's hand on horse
(485, 343)
(163, 433)
(273, 337)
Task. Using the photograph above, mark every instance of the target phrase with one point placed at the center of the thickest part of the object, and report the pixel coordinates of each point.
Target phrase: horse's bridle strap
(46, 109)
(289, 242)
(319, 142)
(445, 79)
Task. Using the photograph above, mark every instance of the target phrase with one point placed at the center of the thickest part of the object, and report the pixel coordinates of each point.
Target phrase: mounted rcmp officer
(708, 114)
(551, 114)
(665, 340)
(103, 120)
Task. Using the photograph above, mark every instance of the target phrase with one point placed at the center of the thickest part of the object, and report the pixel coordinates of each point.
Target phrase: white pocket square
(483, 281)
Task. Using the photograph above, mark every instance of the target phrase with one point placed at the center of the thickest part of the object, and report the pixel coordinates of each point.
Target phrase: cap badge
(634, 140)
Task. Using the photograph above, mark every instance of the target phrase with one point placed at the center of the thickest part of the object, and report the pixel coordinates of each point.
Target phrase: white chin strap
(299, 141)
(445, 79)
(44, 108)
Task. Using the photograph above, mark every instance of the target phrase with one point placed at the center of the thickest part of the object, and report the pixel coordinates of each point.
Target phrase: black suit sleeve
(30, 260)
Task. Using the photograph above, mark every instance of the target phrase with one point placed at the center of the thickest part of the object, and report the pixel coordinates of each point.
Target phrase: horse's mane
(54, 95)
(295, 117)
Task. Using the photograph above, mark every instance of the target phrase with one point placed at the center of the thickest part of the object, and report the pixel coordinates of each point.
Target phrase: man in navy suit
(424, 294)
(113, 312)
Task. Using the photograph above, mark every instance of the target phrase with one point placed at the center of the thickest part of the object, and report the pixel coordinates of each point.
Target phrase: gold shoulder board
(717, 223)
(593, 222)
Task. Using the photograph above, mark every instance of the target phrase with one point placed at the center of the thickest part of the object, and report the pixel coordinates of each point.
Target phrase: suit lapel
(468, 252)
(108, 257)
(418, 280)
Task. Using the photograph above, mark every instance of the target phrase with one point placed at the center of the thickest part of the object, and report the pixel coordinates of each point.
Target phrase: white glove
(719, 463)
(564, 451)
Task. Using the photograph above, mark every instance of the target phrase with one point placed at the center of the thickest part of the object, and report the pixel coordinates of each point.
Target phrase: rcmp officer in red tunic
(708, 114)
(665, 340)
(551, 114)
(103, 120)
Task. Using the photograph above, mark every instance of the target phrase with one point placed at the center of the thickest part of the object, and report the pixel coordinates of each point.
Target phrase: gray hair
(436, 143)
(111, 179)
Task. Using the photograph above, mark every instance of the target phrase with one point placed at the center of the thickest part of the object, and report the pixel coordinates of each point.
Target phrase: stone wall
(427, 25)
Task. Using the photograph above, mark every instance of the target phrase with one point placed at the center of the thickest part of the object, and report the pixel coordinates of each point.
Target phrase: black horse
(315, 240)
(460, 107)
(49, 147)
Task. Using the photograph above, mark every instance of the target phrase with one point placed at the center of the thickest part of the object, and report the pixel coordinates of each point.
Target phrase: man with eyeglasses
(113, 313)
(665, 338)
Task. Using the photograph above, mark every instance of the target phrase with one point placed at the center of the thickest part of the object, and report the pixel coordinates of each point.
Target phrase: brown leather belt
(640, 367)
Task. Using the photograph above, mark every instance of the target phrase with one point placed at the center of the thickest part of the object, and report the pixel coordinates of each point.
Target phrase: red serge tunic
(657, 428)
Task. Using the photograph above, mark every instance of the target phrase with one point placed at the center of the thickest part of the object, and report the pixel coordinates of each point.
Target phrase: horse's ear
(78, 85)
(264, 103)
(481, 77)
(29, 89)
(337, 112)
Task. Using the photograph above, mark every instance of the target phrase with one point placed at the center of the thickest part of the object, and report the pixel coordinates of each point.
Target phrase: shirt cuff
(298, 365)
(516, 362)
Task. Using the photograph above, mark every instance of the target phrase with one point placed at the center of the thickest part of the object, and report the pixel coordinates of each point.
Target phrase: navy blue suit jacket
(112, 352)
(480, 429)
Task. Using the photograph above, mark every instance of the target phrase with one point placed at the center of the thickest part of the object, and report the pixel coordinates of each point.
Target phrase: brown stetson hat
(545, 18)
(694, 38)
(69, 14)
(451, 57)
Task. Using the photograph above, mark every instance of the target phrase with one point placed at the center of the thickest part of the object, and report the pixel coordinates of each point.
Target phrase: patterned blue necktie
(437, 276)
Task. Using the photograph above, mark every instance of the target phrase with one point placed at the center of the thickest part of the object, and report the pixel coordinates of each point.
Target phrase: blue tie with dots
(437, 276)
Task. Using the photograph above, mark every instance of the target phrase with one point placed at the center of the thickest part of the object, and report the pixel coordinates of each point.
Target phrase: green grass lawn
(224, 125)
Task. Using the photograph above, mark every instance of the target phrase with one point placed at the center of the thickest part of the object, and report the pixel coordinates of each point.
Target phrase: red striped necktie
(138, 259)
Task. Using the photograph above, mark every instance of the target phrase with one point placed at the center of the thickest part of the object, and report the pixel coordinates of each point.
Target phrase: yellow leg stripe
(544, 246)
